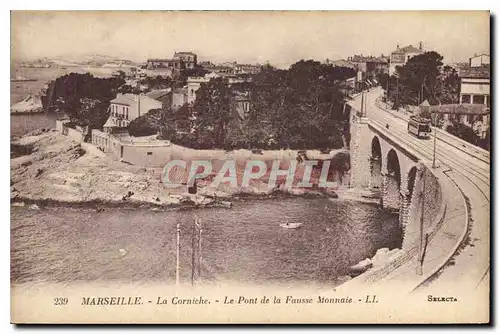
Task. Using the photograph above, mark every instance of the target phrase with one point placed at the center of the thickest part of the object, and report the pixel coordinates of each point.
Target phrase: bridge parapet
(379, 161)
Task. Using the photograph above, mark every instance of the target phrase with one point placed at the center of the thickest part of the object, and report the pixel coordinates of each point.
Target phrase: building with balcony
(126, 107)
(475, 85)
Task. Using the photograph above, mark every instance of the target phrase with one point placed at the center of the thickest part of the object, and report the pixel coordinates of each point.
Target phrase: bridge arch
(392, 181)
(412, 175)
(376, 163)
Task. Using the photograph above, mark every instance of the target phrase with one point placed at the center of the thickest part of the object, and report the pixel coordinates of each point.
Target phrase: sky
(279, 37)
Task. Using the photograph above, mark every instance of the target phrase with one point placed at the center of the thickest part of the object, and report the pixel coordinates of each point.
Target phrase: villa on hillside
(114, 138)
(127, 107)
(400, 56)
(171, 67)
(194, 83)
(479, 60)
(189, 59)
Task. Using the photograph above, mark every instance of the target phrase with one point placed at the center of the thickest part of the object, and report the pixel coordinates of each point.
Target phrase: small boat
(291, 225)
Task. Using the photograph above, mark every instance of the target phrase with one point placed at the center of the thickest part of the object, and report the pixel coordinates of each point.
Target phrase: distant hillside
(93, 60)
(99, 60)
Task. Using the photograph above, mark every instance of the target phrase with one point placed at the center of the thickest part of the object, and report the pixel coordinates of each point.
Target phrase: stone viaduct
(380, 164)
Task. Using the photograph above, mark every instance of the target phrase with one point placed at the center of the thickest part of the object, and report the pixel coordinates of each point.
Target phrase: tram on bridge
(419, 127)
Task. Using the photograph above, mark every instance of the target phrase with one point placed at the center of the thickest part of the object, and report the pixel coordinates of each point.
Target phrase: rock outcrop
(30, 104)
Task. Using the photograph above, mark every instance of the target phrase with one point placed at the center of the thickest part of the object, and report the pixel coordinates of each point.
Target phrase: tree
(486, 141)
(213, 111)
(83, 97)
(302, 107)
(92, 113)
(423, 77)
(157, 82)
(147, 124)
(464, 132)
(449, 89)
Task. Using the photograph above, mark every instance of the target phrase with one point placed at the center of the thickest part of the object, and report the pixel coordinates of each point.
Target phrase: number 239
(60, 301)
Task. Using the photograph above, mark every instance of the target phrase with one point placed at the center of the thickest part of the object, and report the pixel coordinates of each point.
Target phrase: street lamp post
(434, 151)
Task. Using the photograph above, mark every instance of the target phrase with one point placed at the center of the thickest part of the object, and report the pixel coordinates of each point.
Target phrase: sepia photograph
(258, 167)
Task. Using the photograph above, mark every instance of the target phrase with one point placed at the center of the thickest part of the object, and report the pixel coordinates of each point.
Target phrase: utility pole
(199, 251)
(422, 93)
(434, 151)
(421, 248)
(177, 264)
(193, 235)
(387, 90)
(397, 92)
(362, 103)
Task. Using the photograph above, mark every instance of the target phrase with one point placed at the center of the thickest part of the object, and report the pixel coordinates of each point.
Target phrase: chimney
(397, 46)
(420, 47)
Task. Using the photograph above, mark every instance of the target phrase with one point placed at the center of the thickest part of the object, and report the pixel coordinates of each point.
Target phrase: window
(478, 99)
(126, 113)
(465, 98)
(150, 153)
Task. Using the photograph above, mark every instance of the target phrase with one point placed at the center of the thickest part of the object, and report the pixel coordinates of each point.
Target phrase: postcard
(257, 167)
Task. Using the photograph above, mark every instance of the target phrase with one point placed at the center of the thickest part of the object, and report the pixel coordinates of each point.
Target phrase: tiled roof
(480, 55)
(160, 59)
(180, 91)
(126, 99)
(359, 59)
(114, 122)
(184, 53)
(408, 49)
(342, 63)
(474, 72)
(156, 94)
(460, 109)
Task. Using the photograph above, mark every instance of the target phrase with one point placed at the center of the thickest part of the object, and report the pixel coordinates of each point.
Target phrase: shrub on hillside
(145, 125)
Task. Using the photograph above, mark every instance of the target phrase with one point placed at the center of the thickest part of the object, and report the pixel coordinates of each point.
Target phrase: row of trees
(422, 78)
(302, 107)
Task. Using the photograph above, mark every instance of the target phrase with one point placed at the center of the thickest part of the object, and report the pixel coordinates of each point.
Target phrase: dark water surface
(242, 244)
(22, 124)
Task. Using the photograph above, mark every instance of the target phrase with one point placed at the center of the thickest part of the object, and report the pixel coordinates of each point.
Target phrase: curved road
(470, 171)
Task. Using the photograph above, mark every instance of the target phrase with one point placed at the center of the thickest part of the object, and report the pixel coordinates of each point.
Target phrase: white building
(402, 55)
(479, 60)
(475, 85)
(127, 107)
(194, 83)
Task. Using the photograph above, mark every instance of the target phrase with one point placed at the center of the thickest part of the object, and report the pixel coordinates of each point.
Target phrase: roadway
(469, 169)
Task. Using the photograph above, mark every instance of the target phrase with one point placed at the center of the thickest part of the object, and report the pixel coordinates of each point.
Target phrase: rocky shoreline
(49, 169)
